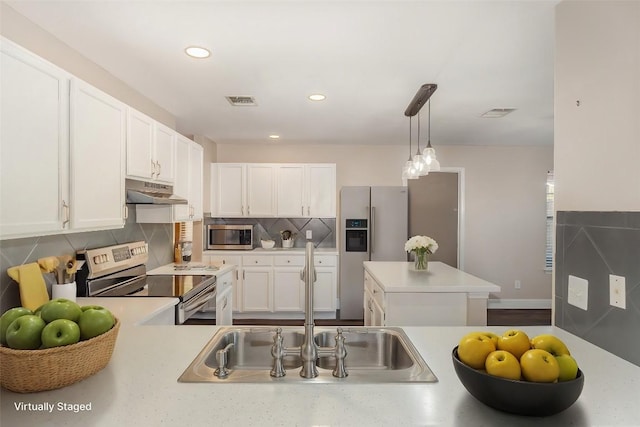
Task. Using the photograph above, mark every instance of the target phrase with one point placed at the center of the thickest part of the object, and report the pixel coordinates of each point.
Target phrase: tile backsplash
(22, 251)
(591, 246)
(323, 229)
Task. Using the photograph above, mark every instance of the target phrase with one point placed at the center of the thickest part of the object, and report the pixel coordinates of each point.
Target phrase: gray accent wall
(593, 245)
(23, 251)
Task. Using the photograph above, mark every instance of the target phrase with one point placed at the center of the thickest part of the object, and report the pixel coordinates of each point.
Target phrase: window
(548, 264)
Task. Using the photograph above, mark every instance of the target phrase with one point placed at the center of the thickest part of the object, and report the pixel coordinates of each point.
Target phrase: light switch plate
(309, 234)
(617, 293)
(578, 292)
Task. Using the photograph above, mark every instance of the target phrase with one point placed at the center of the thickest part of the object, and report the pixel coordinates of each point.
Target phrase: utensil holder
(287, 243)
(64, 290)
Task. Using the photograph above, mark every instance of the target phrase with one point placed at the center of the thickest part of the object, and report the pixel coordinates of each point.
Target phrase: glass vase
(421, 261)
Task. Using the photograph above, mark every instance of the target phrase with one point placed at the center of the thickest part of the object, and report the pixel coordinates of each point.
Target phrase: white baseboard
(519, 303)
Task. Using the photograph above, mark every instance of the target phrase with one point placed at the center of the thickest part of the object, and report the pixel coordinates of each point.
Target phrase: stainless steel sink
(374, 355)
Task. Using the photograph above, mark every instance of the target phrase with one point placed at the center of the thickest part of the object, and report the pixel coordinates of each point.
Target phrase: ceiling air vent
(496, 113)
(241, 101)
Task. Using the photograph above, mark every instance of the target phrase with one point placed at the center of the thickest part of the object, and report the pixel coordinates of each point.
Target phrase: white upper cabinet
(321, 190)
(34, 124)
(188, 185)
(228, 189)
(261, 180)
(241, 190)
(291, 190)
(97, 144)
(164, 154)
(151, 149)
(306, 190)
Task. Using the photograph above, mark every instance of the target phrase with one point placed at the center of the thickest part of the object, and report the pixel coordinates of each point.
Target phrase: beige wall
(20, 30)
(505, 199)
(597, 144)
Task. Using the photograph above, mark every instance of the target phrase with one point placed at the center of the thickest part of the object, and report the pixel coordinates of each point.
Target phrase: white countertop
(139, 388)
(133, 310)
(440, 277)
(274, 251)
(193, 269)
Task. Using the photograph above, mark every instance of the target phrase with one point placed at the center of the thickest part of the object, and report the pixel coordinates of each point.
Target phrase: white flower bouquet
(422, 246)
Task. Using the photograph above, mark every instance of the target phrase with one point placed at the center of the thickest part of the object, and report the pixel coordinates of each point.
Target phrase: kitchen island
(139, 387)
(397, 294)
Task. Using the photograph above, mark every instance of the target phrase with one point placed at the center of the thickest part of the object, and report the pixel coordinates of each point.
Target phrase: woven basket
(26, 371)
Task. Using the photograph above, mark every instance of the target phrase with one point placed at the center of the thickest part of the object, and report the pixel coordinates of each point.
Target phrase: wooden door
(434, 212)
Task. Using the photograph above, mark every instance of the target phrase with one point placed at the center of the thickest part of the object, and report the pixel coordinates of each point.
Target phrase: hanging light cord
(410, 138)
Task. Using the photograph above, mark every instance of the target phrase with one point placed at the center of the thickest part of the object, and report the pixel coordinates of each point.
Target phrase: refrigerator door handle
(373, 228)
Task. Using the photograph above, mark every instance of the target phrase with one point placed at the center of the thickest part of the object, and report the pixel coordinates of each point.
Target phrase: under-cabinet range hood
(151, 193)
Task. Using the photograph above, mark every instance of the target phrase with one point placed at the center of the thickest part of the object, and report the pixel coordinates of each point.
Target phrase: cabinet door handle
(153, 169)
(225, 303)
(159, 168)
(248, 210)
(308, 210)
(302, 210)
(65, 213)
(126, 212)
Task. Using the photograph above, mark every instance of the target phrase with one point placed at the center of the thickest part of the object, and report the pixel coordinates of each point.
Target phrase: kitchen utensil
(48, 264)
(33, 290)
(71, 268)
(62, 267)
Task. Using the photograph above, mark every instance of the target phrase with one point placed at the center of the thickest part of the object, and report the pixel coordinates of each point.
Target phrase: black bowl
(518, 397)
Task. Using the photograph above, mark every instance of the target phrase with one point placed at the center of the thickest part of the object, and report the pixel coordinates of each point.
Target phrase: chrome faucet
(309, 351)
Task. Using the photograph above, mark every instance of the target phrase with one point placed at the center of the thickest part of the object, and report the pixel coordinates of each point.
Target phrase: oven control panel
(101, 261)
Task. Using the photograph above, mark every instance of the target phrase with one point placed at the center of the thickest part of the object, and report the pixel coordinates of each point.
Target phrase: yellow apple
(568, 367)
(473, 349)
(515, 342)
(494, 337)
(550, 343)
(539, 366)
(503, 364)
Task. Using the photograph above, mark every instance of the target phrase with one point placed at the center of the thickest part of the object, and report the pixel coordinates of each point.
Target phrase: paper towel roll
(66, 290)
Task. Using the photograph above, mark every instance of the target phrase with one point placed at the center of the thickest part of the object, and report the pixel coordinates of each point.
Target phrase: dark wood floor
(502, 317)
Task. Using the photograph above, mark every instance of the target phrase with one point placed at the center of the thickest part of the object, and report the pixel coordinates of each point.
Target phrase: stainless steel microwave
(229, 237)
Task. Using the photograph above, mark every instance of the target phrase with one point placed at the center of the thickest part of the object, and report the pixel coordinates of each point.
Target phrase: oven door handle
(199, 302)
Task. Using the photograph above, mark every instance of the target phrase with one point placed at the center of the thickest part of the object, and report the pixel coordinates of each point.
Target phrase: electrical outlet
(617, 293)
(309, 234)
(517, 284)
(578, 290)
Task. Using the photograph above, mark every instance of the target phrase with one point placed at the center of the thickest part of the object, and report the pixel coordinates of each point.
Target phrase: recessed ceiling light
(317, 97)
(274, 136)
(496, 113)
(197, 52)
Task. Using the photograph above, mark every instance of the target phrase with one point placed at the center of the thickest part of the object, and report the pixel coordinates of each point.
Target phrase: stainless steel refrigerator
(374, 227)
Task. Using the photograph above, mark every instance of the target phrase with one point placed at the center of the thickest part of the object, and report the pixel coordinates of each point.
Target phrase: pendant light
(409, 170)
(419, 162)
(429, 153)
(417, 165)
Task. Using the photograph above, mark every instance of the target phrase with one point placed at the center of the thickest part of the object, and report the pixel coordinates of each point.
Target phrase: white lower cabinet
(257, 289)
(271, 285)
(288, 291)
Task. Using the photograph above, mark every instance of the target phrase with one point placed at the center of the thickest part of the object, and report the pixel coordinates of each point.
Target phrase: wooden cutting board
(33, 290)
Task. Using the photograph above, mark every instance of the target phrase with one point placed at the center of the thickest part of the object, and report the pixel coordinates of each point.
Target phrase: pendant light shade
(429, 153)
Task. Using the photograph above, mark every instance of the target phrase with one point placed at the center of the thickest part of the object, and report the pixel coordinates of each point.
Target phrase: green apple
(568, 367)
(60, 332)
(501, 363)
(97, 307)
(60, 308)
(539, 366)
(8, 317)
(94, 322)
(550, 343)
(24, 333)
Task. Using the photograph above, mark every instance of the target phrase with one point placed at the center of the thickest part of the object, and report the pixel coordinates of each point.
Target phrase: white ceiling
(368, 57)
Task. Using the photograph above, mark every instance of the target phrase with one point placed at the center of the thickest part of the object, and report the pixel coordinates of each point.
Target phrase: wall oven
(224, 236)
(120, 271)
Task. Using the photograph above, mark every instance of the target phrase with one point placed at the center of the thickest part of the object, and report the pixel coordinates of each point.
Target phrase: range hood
(151, 193)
